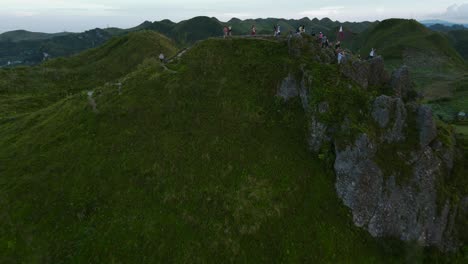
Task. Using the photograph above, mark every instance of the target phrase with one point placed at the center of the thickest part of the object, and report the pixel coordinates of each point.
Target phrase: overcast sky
(79, 15)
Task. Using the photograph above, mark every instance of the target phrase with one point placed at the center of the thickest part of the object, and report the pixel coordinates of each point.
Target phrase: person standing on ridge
(338, 45)
(324, 42)
(225, 31)
(340, 57)
(372, 54)
(230, 31)
(253, 30)
(278, 30)
(275, 32)
(341, 33)
(162, 58)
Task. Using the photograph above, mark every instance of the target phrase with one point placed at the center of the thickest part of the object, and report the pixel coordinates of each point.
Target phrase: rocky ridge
(388, 173)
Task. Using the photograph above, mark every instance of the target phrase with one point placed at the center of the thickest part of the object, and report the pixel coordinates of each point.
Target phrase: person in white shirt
(372, 54)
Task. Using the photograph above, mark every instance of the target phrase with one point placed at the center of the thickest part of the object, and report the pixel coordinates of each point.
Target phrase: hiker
(275, 32)
(341, 57)
(298, 30)
(162, 58)
(225, 30)
(372, 54)
(278, 30)
(230, 31)
(324, 42)
(253, 30)
(341, 33)
(338, 45)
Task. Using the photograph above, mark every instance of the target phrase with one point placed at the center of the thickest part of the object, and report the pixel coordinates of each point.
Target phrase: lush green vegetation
(201, 165)
(27, 48)
(31, 51)
(21, 35)
(459, 39)
(435, 61)
(393, 37)
(26, 89)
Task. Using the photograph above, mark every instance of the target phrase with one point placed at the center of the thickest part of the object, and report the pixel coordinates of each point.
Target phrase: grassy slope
(437, 68)
(429, 54)
(459, 39)
(26, 89)
(393, 36)
(21, 35)
(29, 47)
(177, 170)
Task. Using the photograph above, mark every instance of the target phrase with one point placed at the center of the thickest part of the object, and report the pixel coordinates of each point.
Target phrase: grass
(27, 89)
(204, 165)
(448, 107)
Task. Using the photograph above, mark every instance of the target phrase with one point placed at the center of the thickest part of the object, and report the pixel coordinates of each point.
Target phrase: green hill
(459, 39)
(21, 35)
(198, 163)
(198, 28)
(436, 66)
(25, 89)
(398, 38)
(31, 52)
(28, 48)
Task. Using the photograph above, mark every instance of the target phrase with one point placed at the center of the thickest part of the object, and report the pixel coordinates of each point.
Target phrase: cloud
(323, 11)
(456, 12)
(237, 15)
(24, 13)
(21, 8)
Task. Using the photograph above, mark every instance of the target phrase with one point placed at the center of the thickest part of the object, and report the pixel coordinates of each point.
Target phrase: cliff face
(389, 156)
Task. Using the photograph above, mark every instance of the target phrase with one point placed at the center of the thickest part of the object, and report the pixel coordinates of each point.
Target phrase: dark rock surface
(426, 125)
(288, 88)
(401, 82)
(389, 176)
(388, 111)
(389, 209)
(366, 73)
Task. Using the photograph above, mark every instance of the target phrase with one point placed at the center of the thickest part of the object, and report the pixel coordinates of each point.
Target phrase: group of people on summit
(322, 40)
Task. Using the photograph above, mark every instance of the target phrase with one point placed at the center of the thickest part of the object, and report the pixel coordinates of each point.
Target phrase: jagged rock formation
(371, 73)
(388, 174)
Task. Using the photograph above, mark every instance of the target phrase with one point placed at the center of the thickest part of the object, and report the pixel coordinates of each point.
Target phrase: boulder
(377, 74)
(366, 73)
(401, 82)
(387, 111)
(358, 71)
(426, 125)
(288, 88)
(386, 208)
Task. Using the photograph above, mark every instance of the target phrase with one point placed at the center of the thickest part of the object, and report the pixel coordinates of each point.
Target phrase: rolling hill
(459, 39)
(25, 89)
(431, 56)
(32, 51)
(22, 35)
(28, 48)
(196, 162)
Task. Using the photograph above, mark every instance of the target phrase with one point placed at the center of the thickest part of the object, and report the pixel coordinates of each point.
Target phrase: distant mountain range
(441, 22)
(22, 47)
